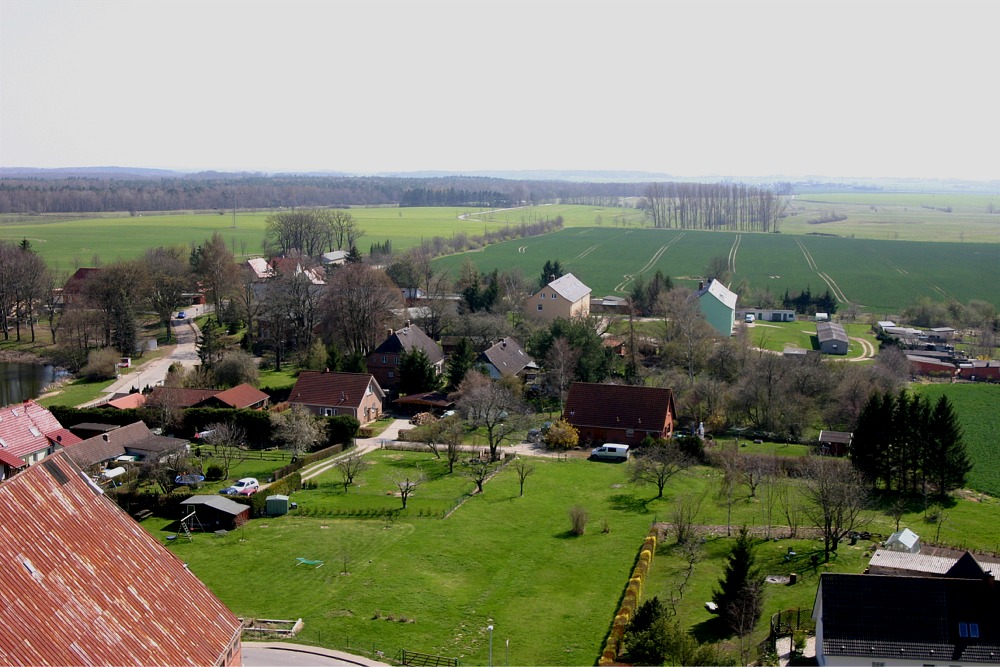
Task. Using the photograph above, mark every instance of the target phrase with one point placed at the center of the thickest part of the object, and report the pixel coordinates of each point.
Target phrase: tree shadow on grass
(711, 631)
(567, 535)
(627, 502)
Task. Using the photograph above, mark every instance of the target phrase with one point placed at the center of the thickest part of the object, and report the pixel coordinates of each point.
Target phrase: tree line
(682, 205)
(723, 206)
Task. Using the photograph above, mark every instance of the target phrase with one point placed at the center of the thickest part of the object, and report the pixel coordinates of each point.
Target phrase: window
(541, 295)
(963, 629)
(392, 374)
(878, 664)
(629, 433)
(385, 359)
(539, 306)
(327, 412)
(974, 630)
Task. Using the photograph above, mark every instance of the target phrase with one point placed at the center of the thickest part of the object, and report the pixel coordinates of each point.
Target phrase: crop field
(879, 276)
(976, 406)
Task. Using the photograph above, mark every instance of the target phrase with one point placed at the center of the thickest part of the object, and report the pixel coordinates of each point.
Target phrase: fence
(284, 471)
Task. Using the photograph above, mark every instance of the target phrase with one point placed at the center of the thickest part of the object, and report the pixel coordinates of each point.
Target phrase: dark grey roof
(913, 618)
(219, 503)
(841, 437)
(507, 356)
(409, 338)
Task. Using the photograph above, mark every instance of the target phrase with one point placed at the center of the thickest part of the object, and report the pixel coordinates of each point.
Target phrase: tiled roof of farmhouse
(241, 396)
(618, 406)
(83, 583)
(569, 287)
(326, 389)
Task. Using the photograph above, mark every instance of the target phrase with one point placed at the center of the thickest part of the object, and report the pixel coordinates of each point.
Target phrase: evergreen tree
(354, 255)
(551, 271)
(210, 344)
(416, 373)
(740, 595)
(647, 635)
(948, 463)
(460, 362)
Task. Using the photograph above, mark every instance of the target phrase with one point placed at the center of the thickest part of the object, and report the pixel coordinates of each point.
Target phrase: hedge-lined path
(362, 446)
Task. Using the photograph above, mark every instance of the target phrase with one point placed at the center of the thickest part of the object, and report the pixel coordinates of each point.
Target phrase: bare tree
(523, 469)
(657, 465)
(407, 486)
(753, 468)
(687, 335)
(790, 502)
(349, 468)
(344, 230)
(214, 263)
(227, 441)
(560, 367)
(684, 514)
(493, 405)
(452, 432)
(169, 279)
(479, 470)
(836, 497)
(358, 307)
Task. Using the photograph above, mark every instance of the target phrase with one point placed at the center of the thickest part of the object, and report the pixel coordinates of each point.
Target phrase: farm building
(835, 443)
(766, 314)
(884, 561)
(930, 366)
(832, 338)
(619, 413)
(718, 304)
(383, 362)
(329, 394)
(134, 439)
(864, 619)
(979, 370)
(507, 357)
(83, 583)
(609, 304)
(213, 513)
(940, 334)
(564, 297)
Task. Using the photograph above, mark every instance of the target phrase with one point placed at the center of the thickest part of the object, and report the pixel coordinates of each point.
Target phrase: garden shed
(214, 512)
(276, 505)
(904, 540)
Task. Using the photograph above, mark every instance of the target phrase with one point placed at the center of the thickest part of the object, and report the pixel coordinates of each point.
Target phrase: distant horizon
(508, 174)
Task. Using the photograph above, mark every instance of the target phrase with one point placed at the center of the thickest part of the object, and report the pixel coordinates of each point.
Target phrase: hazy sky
(866, 88)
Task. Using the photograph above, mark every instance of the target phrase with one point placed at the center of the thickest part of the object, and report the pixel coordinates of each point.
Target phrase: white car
(244, 487)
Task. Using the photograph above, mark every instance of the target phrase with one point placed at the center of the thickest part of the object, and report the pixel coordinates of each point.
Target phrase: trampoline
(189, 479)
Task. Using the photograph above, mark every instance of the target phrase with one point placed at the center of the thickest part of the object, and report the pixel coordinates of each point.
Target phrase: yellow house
(564, 297)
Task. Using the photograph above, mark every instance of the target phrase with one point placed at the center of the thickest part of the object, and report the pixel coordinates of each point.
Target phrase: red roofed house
(240, 397)
(384, 361)
(619, 413)
(72, 290)
(329, 394)
(84, 584)
(29, 432)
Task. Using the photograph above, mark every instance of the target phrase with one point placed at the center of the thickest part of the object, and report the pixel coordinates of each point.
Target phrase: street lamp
(490, 628)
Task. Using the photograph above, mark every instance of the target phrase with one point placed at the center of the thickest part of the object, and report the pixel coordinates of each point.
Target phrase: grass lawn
(777, 336)
(75, 392)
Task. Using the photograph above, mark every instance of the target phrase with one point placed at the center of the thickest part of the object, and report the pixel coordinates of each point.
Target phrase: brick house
(619, 413)
(328, 394)
(384, 361)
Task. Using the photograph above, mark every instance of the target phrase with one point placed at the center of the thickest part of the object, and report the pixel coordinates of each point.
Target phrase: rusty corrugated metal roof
(84, 584)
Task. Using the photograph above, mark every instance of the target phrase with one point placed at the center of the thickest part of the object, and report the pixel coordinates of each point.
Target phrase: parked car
(181, 315)
(242, 487)
(611, 451)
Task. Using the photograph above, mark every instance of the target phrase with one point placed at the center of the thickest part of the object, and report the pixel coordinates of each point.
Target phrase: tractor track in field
(838, 294)
(588, 251)
(628, 277)
(731, 262)
(903, 272)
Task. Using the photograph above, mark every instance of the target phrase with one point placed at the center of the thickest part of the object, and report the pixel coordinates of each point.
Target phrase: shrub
(578, 518)
(101, 364)
(213, 472)
(562, 435)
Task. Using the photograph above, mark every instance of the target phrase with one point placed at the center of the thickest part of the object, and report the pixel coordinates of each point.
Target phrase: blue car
(181, 315)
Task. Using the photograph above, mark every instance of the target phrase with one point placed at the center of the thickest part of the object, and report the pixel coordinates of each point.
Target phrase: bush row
(630, 600)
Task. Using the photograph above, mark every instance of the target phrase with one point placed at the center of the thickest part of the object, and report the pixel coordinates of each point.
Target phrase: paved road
(281, 654)
(152, 373)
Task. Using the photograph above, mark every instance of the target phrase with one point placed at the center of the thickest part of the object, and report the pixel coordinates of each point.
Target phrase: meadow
(976, 406)
(418, 582)
(878, 276)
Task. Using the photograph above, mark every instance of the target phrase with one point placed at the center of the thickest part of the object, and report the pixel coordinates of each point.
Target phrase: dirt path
(868, 350)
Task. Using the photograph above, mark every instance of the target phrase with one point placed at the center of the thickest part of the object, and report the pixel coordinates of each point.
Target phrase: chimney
(503, 343)
(390, 332)
(701, 285)
(105, 437)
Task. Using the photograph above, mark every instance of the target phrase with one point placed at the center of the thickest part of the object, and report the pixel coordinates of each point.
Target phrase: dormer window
(968, 630)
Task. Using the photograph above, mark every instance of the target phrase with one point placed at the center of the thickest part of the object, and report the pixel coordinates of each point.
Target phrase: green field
(776, 336)
(880, 276)
(977, 407)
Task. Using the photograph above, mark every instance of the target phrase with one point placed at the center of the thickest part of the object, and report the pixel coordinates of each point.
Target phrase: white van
(749, 318)
(610, 451)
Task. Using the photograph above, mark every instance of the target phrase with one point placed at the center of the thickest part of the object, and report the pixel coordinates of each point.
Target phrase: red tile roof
(325, 389)
(241, 396)
(618, 406)
(11, 461)
(135, 400)
(23, 428)
(69, 599)
(63, 437)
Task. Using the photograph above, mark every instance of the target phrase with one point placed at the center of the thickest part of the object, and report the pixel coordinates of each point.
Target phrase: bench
(142, 514)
